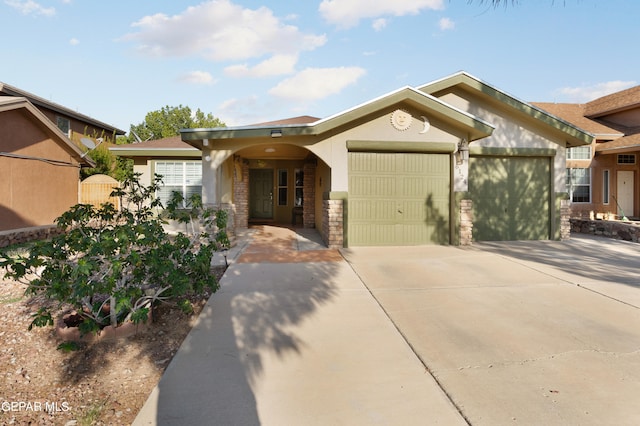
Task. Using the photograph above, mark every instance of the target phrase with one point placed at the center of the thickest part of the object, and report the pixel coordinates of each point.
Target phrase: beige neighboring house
(602, 177)
(449, 162)
(40, 157)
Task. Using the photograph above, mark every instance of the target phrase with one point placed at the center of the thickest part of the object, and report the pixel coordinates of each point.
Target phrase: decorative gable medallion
(401, 120)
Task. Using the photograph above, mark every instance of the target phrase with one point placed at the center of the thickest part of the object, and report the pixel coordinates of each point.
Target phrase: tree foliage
(168, 121)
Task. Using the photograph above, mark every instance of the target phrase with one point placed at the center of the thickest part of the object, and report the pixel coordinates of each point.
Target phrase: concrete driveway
(519, 332)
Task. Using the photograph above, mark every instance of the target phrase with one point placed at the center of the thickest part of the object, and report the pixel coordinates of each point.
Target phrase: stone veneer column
(333, 223)
(241, 192)
(466, 222)
(309, 196)
(565, 220)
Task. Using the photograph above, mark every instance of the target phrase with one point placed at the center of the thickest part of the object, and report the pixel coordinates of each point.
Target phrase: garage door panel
(511, 198)
(405, 203)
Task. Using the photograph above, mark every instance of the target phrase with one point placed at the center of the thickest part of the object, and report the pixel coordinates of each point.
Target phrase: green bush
(114, 265)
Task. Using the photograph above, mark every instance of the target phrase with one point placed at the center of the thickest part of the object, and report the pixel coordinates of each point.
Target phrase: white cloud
(273, 66)
(317, 83)
(347, 13)
(74, 42)
(220, 30)
(446, 24)
(589, 93)
(197, 77)
(28, 7)
(379, 24)
(242, 112)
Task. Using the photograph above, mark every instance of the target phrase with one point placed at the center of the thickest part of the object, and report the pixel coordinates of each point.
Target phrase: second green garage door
(511, 198)
(398, 199)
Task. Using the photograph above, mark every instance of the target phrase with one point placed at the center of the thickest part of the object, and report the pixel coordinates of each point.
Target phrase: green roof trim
(485, 151)
(473, 126)
(579, 136)
(402, 147)
(156, 152)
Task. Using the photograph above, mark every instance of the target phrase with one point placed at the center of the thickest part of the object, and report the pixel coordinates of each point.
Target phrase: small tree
(112, 265)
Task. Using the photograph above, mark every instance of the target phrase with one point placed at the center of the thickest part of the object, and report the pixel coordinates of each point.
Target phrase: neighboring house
(73, 124)
(444, 163)
(602, 177)
(40, 157)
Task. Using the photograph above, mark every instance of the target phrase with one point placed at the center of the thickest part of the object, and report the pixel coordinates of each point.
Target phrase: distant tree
(168, 121)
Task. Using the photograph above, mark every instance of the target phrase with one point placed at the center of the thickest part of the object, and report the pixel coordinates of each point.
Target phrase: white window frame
(186, 177)
(579, 153)
(283, 187)
(630, 157)
(571, 185)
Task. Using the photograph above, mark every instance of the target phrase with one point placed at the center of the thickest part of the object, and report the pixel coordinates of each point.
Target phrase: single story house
(448, 162)
(602, 177)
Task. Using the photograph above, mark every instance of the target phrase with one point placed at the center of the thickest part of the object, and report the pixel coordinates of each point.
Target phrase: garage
(398, 199)
(511, 198)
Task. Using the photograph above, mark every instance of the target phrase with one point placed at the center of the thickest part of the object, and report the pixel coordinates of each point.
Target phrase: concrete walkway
(293, 337)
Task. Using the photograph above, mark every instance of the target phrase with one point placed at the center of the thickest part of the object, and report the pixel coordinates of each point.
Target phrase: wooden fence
(97, 189)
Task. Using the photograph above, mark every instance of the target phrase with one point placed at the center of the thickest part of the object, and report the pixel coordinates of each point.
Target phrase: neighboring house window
(579, 185)
(283, 178)
(299, 187)
(605, 186)
(579, 153)
(184, 177)
(64, 125)
(626, 159)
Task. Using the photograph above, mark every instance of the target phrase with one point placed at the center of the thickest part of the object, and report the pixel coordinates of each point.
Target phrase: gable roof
(13, 103)
(576, 135)
(575, 114)
(8, 90)
(615, 102)
(474, 126)
(167, 147)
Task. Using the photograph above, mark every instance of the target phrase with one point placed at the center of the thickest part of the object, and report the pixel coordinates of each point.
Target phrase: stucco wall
(379, 128)
(32, 192)
(511, 130)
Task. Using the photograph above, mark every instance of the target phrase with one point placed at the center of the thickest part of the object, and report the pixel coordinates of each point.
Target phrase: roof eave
(577, 136)
(475, 127)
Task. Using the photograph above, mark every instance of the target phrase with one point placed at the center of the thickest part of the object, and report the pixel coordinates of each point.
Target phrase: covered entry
(398, 198)
(511, 197)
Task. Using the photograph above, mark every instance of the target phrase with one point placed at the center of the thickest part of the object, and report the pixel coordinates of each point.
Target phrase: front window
(579, 153)
(579, 185)
(184, 177)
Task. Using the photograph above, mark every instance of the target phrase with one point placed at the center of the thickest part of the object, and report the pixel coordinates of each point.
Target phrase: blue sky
(249, 61)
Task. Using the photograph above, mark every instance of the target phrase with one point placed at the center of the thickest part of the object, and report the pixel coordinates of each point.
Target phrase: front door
(625, 193)
(261, 194)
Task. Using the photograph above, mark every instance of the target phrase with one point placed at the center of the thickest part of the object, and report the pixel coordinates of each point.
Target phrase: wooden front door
(261, 194)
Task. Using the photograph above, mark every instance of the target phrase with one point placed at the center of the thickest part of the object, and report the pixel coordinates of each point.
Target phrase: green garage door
(398, 199)
(511, 198)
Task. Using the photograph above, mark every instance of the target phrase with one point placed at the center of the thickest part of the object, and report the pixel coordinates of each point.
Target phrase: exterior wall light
(276, 133)
(462, 154)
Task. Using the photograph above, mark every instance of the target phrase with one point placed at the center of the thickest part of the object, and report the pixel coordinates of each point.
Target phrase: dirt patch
(101, 383)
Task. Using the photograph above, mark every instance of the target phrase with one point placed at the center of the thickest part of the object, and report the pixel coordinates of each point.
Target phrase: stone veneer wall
(466, 222)
(241, 192)
(628, 231)
(333, 223)
(24, 235)
(309, 196)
